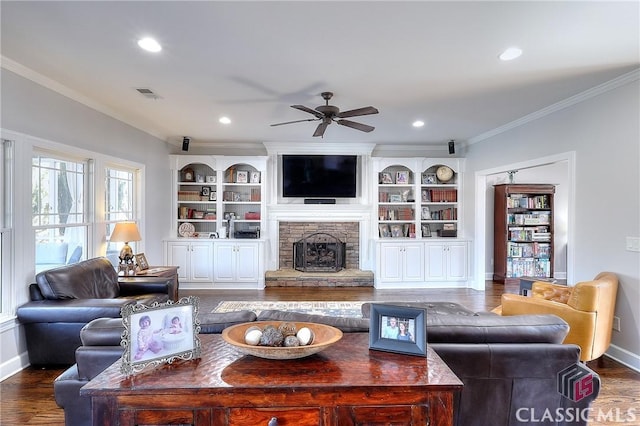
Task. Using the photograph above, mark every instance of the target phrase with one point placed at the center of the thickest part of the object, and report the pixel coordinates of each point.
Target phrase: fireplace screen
(319, 252)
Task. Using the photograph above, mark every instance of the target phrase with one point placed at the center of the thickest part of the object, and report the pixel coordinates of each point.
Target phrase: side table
(157, 271)
(527, 282)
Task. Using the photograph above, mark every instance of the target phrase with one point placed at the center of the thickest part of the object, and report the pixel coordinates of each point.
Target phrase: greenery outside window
(58, 210)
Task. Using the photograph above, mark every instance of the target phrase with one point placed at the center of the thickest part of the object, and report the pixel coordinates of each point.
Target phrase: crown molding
(573, 100)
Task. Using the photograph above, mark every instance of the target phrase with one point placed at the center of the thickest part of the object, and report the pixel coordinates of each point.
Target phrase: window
(58, 210)
(119, 204)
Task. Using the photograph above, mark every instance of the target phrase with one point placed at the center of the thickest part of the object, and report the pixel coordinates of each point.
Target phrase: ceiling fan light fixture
(510, 53)
(149, 44)
(418, 123)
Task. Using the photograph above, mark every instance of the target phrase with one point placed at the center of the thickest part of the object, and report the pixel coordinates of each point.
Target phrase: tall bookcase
(523, 231)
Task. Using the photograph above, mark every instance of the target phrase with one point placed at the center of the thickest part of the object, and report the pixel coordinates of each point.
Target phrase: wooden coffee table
(346, 384)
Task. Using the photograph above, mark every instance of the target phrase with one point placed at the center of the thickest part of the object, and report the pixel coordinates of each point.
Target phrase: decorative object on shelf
(125, 232)
(444, 174)
(429, 179)
(386, 177)
(158, 334)
(426, 231)
(449, 230)
(200, 178)
(186, 230)
(321, 337)
(426, 213)
(188, 175)
(255, 177)
(211, 179)
(398, 329)
(141, 261)
(384, 230)
(512, 175)
(242, 176)
(402, 177)
(213, 196)
(426, 196)
(206, 190)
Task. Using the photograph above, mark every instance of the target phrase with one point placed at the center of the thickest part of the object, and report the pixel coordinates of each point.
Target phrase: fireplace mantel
(360, 213)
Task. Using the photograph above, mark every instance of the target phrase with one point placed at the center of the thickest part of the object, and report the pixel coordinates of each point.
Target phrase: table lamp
(125, 232)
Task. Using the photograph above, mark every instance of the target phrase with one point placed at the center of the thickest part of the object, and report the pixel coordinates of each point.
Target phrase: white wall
(604, 133)
(33, 110)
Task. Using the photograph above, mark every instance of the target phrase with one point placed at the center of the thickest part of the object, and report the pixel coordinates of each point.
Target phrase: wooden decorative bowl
(324, 336)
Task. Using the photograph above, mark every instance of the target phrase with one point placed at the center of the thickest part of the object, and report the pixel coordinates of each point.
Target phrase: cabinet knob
(273, 421)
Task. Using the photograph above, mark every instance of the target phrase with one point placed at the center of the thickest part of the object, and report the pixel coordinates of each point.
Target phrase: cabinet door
(435, 259)
(457, 262)
(224, 262)
(178, 254)
(201, 262)
(247, 262)
(390, 262)
(413, 262)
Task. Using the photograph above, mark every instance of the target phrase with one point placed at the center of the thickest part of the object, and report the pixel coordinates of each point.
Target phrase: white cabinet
(400, 262)
(193, 258)
(238, 262)
(446, 261)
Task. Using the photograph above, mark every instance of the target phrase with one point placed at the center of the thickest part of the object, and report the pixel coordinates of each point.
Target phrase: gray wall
(34, 110)
(604, 133)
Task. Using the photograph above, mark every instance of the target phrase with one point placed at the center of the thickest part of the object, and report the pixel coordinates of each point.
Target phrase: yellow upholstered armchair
(588, 307)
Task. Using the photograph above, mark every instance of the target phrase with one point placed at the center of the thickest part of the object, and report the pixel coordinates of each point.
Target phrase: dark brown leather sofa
(65, 299)
(509, 365)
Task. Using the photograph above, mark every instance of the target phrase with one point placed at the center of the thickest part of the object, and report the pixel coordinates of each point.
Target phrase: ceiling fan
(329, 113)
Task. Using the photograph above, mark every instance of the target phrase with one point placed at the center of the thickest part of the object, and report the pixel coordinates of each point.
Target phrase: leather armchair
(587, 307)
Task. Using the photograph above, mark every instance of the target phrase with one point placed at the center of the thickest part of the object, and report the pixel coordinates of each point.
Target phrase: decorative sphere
(305, 336)
(252, 337)
(288, 329)
(271, 336)
(291, 341)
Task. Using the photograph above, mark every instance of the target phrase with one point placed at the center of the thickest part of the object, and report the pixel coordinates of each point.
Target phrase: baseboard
(14, 365)
(624, 357)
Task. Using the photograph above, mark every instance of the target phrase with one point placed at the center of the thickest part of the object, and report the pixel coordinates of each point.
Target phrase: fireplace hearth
(319, 252)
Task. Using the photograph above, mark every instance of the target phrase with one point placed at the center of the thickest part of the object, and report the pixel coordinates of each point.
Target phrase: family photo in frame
(159, 334)
(398, 329)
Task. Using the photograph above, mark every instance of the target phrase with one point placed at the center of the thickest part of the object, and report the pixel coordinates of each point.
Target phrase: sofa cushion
(347, 325)
(216, 322)
(90, 279)
(496, 329)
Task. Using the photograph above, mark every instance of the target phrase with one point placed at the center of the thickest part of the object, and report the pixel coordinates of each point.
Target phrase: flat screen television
(319, 176)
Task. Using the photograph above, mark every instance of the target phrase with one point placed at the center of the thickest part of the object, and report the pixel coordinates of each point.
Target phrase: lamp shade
(125, 232)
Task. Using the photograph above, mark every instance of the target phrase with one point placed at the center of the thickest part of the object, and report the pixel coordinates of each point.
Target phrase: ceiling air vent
(147, 93)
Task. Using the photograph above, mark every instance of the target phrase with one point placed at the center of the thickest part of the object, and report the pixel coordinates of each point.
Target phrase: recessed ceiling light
(510, 53)
(225, 120)
(418, 123)
(149, 44)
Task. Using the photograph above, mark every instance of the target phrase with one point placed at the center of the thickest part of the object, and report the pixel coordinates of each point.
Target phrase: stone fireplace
(292, 232)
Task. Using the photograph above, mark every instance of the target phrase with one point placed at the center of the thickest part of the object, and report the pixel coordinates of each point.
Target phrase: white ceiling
(434, 61)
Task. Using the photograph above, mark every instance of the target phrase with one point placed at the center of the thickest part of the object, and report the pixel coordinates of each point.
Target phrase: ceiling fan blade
(321, 128)
(295, 121)
(309, 110)
(359, 111)
(357, 126)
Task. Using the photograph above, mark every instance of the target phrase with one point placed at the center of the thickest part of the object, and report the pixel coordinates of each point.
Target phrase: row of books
(515, 201)
(537, 218)
(540, 250)
(395, 213)
(539, 233)
(439, 195)
(528, 268)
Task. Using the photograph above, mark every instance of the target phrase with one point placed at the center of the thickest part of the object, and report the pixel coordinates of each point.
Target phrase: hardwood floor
(27, 397)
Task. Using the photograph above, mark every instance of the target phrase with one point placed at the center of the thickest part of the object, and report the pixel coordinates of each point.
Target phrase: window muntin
(119, 204)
